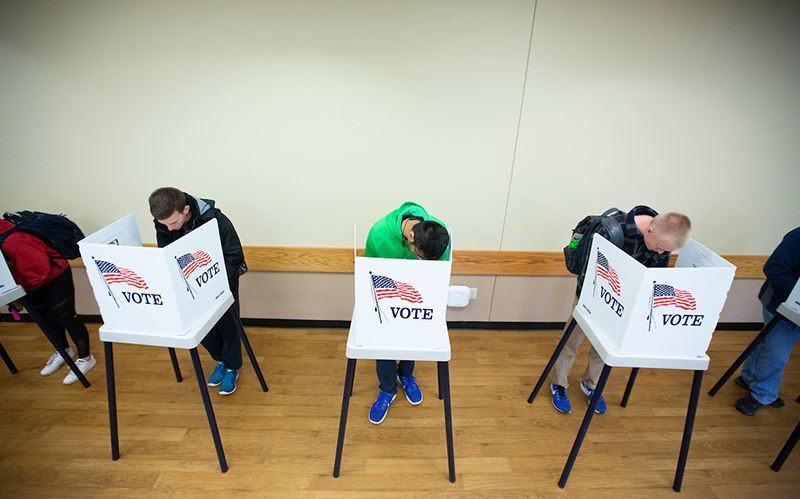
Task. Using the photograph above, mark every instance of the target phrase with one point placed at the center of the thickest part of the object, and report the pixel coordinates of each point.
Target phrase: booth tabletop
(187, 339)
(613, 358)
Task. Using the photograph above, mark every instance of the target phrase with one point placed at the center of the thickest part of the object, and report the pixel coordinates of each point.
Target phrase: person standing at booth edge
(650, 239)
(763, 369)
(408, 232)
(46, 277)
(177, 213)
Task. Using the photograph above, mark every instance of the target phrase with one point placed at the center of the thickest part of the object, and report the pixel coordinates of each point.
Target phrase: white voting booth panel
(653, 313)
(9, 289)
(167, 296)
(791, 307)
(400, 308)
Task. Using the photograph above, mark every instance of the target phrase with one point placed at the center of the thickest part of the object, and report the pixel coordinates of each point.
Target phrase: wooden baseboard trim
(465, 262)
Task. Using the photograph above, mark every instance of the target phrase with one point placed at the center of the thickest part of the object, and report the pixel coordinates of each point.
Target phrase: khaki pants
(567, 356)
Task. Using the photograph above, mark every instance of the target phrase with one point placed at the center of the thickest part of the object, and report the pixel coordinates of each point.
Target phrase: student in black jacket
(177, 213)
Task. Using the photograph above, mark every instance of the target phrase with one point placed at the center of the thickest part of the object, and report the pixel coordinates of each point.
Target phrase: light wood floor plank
(54, 439)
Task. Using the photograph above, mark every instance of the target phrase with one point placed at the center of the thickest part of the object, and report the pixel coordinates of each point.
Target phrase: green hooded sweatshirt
(385, 239)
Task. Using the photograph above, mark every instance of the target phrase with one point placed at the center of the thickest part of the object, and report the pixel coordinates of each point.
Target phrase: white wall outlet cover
(458, 296)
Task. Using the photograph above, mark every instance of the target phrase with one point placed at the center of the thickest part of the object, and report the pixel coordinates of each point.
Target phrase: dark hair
(431, 239)
(165, 201)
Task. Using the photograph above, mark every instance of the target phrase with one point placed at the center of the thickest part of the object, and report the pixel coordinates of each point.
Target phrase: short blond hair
(673, 227)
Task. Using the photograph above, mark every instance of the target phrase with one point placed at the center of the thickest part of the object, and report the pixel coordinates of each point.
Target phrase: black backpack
(576, 254)
(57, 231)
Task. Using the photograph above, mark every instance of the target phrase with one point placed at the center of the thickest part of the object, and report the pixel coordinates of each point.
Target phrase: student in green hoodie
(408, 232)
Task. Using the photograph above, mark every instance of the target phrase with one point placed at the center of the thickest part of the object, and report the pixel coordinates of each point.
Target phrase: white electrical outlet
(473, 293)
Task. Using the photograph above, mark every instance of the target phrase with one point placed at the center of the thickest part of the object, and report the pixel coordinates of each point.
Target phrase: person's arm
(231, 246)
(782, 266)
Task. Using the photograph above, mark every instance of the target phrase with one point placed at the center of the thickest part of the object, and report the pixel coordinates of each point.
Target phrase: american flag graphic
(192, 261)
(113, 275)
(386, 287)
(608, 273)
(664, 294)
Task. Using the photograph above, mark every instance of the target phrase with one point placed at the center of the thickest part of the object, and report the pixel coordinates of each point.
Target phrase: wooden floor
(54, 439)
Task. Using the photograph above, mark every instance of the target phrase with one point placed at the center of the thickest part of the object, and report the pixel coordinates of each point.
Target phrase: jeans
(389, 370)
(763, 369)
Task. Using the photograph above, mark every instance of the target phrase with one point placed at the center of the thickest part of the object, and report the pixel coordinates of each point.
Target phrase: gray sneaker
(56, 361)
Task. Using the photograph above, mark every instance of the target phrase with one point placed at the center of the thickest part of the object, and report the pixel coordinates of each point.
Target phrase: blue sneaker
(560, 400)
(601, 405)
(219, 373)
(378, 411)
(412, 391)
(229, 382)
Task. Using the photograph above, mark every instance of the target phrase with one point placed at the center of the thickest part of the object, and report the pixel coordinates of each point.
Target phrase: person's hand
(12, 265)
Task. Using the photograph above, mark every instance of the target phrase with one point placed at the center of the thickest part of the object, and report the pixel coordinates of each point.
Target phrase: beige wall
(507, 119)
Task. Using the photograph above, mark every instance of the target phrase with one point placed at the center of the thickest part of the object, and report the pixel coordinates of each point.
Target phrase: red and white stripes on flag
(664, 295)
(386, 287)
(607, 272)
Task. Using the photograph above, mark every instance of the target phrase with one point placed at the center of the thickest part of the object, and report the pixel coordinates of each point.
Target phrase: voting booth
(400, 314)
(169, 297)
(667, 315)
(9, 291)
(791, 307)
(636, 317)
(156, 296)
(400, 309)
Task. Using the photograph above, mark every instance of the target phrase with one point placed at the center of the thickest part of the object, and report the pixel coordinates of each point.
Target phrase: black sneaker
(748, 405)
(778, 402)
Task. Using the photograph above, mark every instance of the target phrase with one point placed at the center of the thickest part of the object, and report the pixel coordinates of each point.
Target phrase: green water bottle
(576, 238)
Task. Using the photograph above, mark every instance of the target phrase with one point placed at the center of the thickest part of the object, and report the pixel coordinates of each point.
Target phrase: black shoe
(778, 402)
(748, 405)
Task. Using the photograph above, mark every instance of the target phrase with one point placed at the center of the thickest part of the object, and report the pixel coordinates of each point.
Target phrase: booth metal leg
(552, 362)
(747, 351)
(444, 383)
(50, 337)
(348, 391)
(787, 449)
(687, 430)
(247, 347)
(175, 365)
(112, 399)
(439, 377)
(212, 421)
(587, 420)
(7, 360)
(629, 388)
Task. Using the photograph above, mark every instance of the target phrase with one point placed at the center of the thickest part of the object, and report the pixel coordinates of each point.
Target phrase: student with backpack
(44, 273)
(641, 233)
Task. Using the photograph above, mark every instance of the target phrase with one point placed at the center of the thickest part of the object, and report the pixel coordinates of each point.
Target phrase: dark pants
(54, 303)
(222, 341)
(389, 370)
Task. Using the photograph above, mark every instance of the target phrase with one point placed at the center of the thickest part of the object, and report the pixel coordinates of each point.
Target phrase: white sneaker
(84, 365)
(56, 360)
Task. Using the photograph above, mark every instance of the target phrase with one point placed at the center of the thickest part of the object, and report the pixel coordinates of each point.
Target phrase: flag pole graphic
(188, 287)
(650, 317)
(110, 293)
(375, 298)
